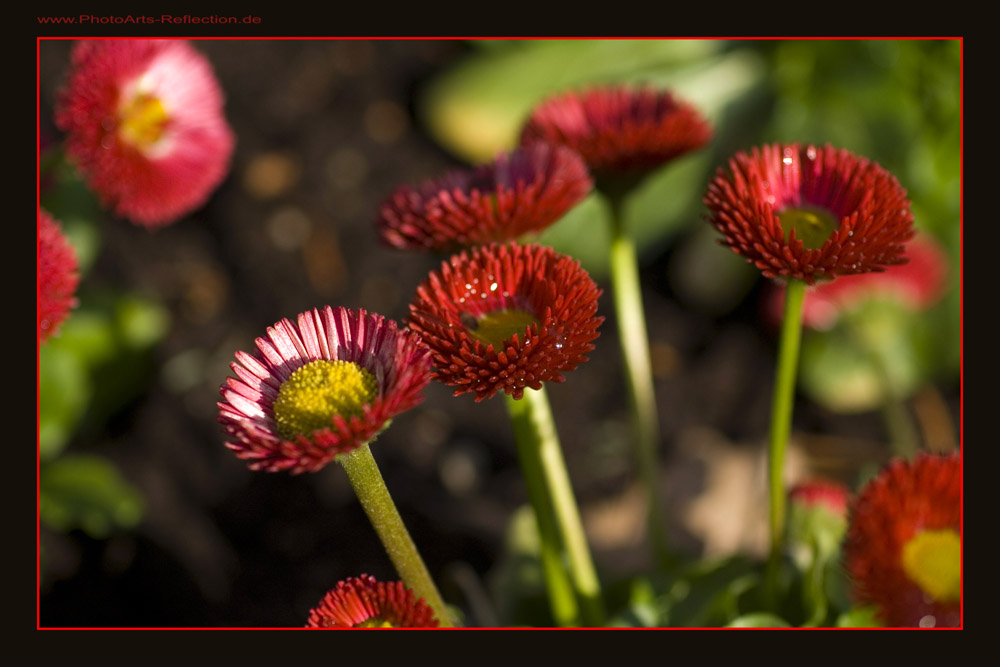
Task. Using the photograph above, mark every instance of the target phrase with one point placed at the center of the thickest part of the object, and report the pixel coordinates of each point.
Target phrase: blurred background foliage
(99, 365)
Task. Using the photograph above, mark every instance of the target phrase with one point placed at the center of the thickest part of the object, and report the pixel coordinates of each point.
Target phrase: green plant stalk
(544, 468)
(364, 475)
(638, 374)
(562, 599)
(814, 588)
(781, 425)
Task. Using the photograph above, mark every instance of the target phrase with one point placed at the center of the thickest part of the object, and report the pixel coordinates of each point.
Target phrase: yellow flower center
(375, 622)
(141, 121)
(496, 327)
(813, 226)
(320, 390)
(933, 559)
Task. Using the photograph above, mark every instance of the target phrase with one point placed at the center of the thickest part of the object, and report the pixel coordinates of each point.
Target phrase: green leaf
(860, 617)
(759, 620)
(63, 390)
(65, 386)
(709, 593)
(87, 492)
(141, 322)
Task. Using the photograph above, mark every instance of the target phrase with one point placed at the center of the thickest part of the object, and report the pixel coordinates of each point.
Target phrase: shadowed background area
(149, 521)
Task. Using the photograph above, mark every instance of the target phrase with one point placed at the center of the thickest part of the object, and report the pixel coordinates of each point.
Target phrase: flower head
(903, 548)
(810, 213)
(817, 520)
(622, 132)
(506, 317)
(831, 496)
(363, 602)
(917, 285)
(57, 276)
(144, 124)
(320, 389)
(520, 192)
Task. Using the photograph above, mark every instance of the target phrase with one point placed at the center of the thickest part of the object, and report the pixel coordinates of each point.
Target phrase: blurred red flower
(903, 547)
(145, 125)
(57, 276)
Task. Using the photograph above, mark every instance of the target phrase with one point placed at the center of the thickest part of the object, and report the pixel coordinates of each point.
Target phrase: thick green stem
(545, 469)
(781, 424)
(370, 488)
(562, 599)
(638, 374)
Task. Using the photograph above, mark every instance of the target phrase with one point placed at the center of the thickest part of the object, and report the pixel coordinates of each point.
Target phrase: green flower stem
(562, 599)
(370, 488)
(781, 423)
(555, 507)
(639, 374)
(814, 588)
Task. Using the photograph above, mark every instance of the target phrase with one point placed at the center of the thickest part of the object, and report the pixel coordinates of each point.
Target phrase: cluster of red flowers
(144, 125)
(500, 315)
(546, 302)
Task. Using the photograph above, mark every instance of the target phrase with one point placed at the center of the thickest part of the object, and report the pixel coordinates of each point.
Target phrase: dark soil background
(325, 130)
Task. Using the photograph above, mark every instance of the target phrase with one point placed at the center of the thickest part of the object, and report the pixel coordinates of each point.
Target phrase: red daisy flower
(810, 213)
(918, 284)
(521, 192)
(620, 131)
(144, 124)
(821, 493)
(320, 389)
(363, 602)
(903, 548)
(57, 276)
(506, 317)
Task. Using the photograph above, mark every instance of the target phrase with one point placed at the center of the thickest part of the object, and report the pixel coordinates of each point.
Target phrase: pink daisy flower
(363, 602)
(145, 126)
(320, 389)
(57, 276)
